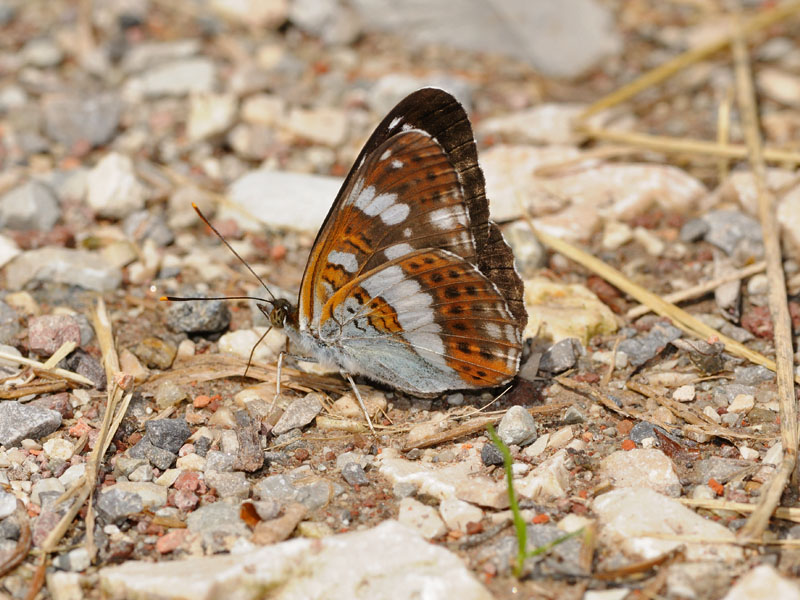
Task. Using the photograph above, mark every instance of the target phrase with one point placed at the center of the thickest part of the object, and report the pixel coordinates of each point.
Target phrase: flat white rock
(279, 199)
(637, 520)
(373, 564)
(763, 583)
(640, 468)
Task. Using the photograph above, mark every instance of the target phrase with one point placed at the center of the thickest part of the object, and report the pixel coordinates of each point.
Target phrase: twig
(724, 131)
(701, 289)
(37, 581)
(787, 514)
(671, 145)
(778, 305)
(669, 68)
(35, 388)
(59, 354)
(74, 377)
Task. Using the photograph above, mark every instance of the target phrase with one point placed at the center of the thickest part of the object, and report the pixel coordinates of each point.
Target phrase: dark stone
(641, 431)
(644, 347)
(199, 317)
(169, 434)
(202, 445)
(159, 457)
(115, 505)
(491, 455)
(83, 363)
(561, 356)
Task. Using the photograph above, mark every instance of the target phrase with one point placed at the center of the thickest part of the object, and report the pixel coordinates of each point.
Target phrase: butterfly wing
(416, 187)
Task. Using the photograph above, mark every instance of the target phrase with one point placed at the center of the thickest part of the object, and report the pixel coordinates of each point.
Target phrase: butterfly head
(278, 313)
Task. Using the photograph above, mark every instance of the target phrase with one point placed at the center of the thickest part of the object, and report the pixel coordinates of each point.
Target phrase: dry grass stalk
(687, 146)
(59, 354)
(701, 289)
(724, 132)
(787, 514)
(38, 366)
(680, 318)
(33, 389)
(778, 304)
(102, 326)
(680, 62)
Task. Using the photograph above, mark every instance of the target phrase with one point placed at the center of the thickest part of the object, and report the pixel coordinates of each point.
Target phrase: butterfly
(408, 282)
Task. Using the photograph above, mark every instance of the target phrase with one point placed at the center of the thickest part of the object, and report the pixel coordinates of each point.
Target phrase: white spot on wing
(345, 259)
(493, 329)
(395, 214)
(432, 342)
(396, 164)
(397, 251)
(407, 232)
(379, 203)
(395, 122)
(376, 284)
(448, 217)
(406, 127)
(386, 154)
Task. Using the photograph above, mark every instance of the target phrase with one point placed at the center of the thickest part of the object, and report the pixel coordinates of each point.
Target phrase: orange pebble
(201, 401)
(716, 486)
(628, 444)
(540, 519)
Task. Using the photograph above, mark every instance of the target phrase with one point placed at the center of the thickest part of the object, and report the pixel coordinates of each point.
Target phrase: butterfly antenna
(236, 254)
(253, 351)
(187, 299)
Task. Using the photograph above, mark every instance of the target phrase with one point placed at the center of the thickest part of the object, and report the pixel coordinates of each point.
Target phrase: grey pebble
(8, 504)
(641, 431)
(561, 356)
(228, 484)
(753, 375)
(573, 416)
(82, 268)
(218, 461)
(115, 505)
(217, 518)
(643, 347)
(354, 474)
(75, 560)
(315, 495)
(72, 119)
(724, 394)
(144, 225)
(299, 413)
(275, 487)
(198, 317)
(693, 230)
(30, 206)
(727, 229)
(20, 421)
(9, 323)
(517, 427)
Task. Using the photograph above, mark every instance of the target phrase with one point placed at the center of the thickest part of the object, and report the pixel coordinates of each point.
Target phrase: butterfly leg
(360, 401)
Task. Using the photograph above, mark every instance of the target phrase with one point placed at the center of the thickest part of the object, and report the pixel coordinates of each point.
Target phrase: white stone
(50, 484)
(611, 594)
(191, 462)
(326, 126)
(8, 250)
(72, 474)
(545, 124)
(631, 519)
(258, 14)
(748, 453)
(289, 200)
(8, 504)
(176, 78)
(547, 481)
(242, 341)
(457, 514)
(168, 477)
(58, 448)
(742, 403)
(64, 585)
(779, 85)
(639, 468)
(263, 109)
(561, 437)
(573, 522)
(763, 583)
(788, 214)
(685, 393)
(537, 447)
(459, 480)
(653, 245)
(421, 518)
(209, 115)
(774, 455)
(152, 494)
(371, 564)
(114, 190)
(712, 414)
(616, 235)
